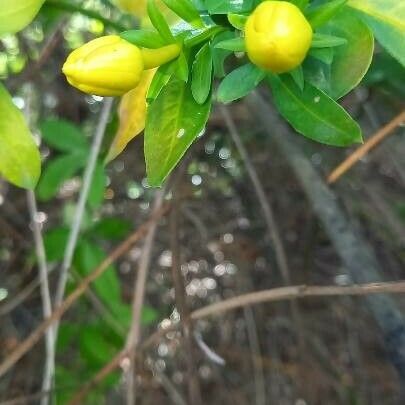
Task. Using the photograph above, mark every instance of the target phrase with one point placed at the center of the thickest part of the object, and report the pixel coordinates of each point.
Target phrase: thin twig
(138, 299)
(36, 335)
(272, 228)
(81, 204)
(49, 366)
(371, 143)
(281, 256)
(255, 298)
(194, 392)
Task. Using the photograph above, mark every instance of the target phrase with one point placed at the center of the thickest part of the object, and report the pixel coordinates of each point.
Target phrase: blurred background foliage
(225, 251)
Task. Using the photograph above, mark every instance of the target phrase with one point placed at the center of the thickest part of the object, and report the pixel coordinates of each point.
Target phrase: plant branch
(49, 366)
(194, 392)
(241, 301)
(81, 204)
(74, 8)
(362, 151)
(138, 299)
(36, 335)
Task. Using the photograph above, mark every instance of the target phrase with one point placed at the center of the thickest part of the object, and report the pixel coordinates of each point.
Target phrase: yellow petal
(132, 115)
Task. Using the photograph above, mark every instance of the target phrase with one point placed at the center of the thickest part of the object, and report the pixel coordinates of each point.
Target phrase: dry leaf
(132, 115)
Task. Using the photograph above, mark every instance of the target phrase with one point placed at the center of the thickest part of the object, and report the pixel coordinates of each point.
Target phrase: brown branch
(371, 143)
(194, 392)
(36, 335)
(255, 298)
(138, 300)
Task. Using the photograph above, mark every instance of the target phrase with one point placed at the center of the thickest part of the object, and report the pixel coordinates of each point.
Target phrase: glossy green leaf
(219, 55)
(20, 162)
(160, 79)
(233, 44)
(326, 41)
(350, 61)
(239, 83)
(180, 67)
(202, 74)
(321, 14)
(237, 21)
(63, 136)
(313, 114)
(174, 121)
(324, 55)
(226, 6)
(387, 20)
(159, 22)
(143, 38)
(56, 172)
(185, 10)
(298, 76)
(197, 37)
(301, 4)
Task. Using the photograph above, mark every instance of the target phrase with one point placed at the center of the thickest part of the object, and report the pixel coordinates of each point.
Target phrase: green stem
(74, 8)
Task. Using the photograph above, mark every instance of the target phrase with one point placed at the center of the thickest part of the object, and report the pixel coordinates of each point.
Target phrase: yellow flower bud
(106, 66)
(277, 36)
(15, 15)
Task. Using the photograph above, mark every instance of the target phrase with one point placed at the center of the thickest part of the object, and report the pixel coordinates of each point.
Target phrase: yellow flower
(106, 66)
(111, 66)
(277, 36)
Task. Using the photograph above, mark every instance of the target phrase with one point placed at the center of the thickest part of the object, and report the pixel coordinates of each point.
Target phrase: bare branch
(255, 298)
(371, 143)
(36, 335)
(138, 299)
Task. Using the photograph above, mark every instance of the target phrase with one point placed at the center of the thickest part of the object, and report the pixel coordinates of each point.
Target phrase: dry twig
(36, 335)
(138, 299)
(371, 143)
(255, 298)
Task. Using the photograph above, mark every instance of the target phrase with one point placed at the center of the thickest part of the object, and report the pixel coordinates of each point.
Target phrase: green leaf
(326, 41)
(56, 172)
(63, 136)
(298, 76)
(185, 10)
(87, 257)
(159, 22)
(196, 37)
(160, 79)
(111, 229)
(301, 4)
(239, 83)
(20, 161)
(321, 14)
(226, 6)
(325, 55)
(387, 20)
(181, 68)
(173, 122)
(14, 16)
(313, 114)
(143, 38)
(202, 74)
(55, 241)
(350, 61)
(237, 21)
(219, 55)
(97, 188)
(234, 44)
